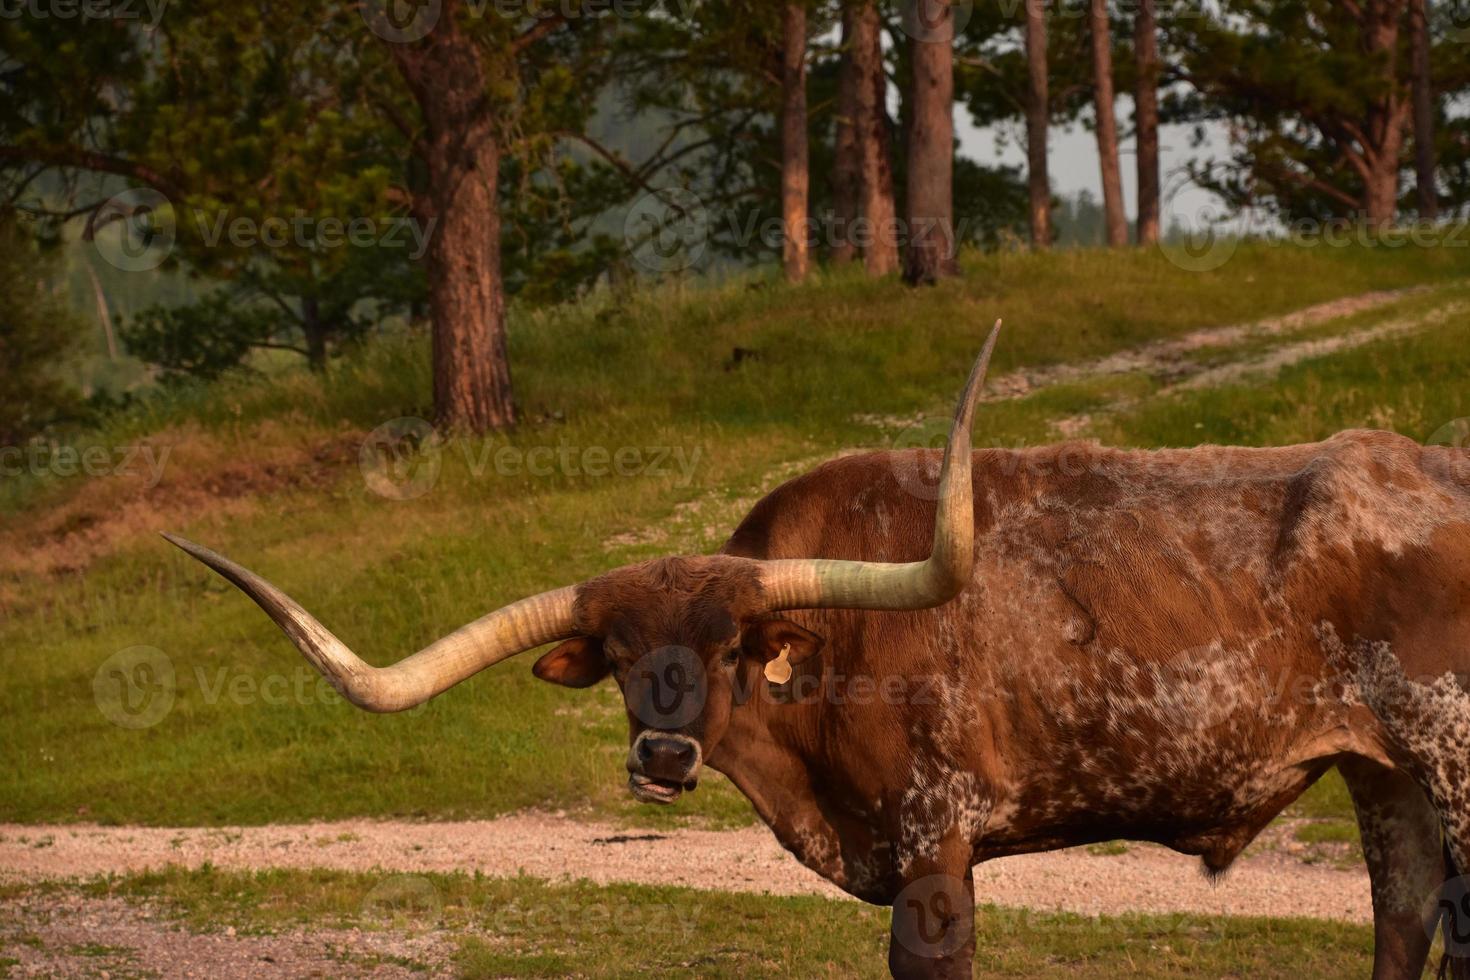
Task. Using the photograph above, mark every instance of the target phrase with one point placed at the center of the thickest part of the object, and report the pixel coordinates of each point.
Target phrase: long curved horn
(819, 583)
(799, 583)
(437, 667)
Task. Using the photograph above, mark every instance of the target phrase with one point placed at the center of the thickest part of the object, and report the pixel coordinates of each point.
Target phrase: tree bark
(932, 247)
(1146, 112)
(794, 177)
(1038, 122)
(460, 154)
(1424, 155)
(1107, 125)
(846, 162)
(870, 125)
(1381, 200)
(1387, 116)
(315, 332)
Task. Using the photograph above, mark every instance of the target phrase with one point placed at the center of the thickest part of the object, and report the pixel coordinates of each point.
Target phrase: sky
(1073, 162)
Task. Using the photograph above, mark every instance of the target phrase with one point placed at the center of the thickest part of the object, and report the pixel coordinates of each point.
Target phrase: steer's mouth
(647, 789)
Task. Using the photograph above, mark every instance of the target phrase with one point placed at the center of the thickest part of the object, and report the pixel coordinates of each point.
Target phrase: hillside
(711, 395)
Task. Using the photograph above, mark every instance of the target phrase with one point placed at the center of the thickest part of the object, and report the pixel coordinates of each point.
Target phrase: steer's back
(1173, 521)
(1386, 489)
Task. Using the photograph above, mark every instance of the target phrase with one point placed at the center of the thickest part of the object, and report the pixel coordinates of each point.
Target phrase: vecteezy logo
(667, 231)
(1449, 907)
(401, 458)
(918, 473)
(1455, 434)
(666, 688)
(134, 231)
(404, 897)
(1454, 467)
(928, 915)
(134, 688)
(401, 21)
(1200, 242)
(1455, 15)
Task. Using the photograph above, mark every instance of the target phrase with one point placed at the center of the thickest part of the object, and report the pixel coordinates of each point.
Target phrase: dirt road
(1269, 880)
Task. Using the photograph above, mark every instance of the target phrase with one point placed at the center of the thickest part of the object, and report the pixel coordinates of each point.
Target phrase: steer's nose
(670, 757)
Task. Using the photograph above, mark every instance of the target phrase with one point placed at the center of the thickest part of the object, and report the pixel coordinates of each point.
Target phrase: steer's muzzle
(662, 766)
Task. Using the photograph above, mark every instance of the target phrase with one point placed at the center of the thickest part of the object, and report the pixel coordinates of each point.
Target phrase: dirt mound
(165, 481)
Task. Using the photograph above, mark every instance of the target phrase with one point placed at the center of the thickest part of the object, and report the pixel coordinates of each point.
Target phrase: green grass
(1327, 799)
(1328, 832)
(528, 928)
(96, 949)
(1412, 385)
(251, 737)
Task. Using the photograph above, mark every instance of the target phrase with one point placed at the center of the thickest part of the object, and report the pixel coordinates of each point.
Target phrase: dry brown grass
(204, 474)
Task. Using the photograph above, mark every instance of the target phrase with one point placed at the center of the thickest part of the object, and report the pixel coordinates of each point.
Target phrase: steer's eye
(731, 657)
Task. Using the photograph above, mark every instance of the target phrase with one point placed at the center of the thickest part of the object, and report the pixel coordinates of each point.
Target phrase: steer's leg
(1401, 844)
(1417, 688)
(1427, 715)
(1447, 786)
(1448, 789)
(933, 934)
(1428, 719)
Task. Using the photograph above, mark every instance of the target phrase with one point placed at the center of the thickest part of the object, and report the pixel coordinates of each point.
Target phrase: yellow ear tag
(778, 671)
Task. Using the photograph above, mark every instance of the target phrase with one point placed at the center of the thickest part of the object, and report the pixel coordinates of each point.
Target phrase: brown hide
(1155, 645)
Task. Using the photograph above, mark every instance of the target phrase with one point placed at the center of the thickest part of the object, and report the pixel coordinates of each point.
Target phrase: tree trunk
(846, 165)
(1038, 121)
(1387, 116)
(1425, 164)
(793, 141)
(1107, 125)
(1146, 111)
(315, 332)
(461, 159)
(104, 316)
(932, 247)
(1381, 200)
(875, 183)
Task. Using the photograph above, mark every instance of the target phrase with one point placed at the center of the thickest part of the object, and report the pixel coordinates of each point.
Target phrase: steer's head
(681, 636)
(685, 639)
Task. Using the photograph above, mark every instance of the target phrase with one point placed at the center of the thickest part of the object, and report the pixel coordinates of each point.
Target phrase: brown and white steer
(1049, 647)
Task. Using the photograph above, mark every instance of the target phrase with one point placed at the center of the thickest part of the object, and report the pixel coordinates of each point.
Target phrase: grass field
(527, 928)
(266, 470)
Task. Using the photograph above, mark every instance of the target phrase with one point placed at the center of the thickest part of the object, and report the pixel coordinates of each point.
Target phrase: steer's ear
(576, 663)
(765, 639)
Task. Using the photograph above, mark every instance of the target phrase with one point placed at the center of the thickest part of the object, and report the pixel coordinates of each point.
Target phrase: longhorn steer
(1165, 646)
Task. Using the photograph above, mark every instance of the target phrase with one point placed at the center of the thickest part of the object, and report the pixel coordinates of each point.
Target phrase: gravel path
(1173, 361)
(1169, 358)
(76, 936)
(1268, 881)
